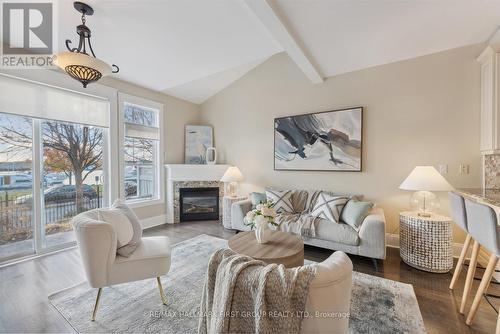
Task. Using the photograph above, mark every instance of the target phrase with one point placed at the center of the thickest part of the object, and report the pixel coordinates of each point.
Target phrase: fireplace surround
(199, 204)
(180, 176)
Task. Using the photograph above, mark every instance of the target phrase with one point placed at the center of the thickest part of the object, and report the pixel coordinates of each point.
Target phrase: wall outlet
(463, 169)
(443, 169)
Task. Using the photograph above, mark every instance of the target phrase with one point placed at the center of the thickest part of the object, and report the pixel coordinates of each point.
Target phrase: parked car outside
(52, 179)
(60, 194)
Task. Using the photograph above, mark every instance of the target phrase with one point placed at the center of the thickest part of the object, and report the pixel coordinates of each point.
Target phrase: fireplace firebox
(199, 204)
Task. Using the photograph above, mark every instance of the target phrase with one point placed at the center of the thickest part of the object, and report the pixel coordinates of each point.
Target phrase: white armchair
(329, 300)
(97, 242)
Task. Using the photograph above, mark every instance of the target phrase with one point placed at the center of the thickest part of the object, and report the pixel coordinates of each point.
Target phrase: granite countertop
(490, 196)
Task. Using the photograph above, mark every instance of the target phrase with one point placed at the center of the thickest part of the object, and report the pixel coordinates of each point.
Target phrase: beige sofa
(369, 241)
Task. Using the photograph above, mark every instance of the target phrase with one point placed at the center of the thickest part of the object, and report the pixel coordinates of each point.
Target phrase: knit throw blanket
(301, 224)
(243, 295)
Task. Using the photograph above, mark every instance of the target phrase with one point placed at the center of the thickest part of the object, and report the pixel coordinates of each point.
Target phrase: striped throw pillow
(329, 207)
(282, 200)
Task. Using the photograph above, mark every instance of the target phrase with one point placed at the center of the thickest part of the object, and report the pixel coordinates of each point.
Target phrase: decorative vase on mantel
(211, 156)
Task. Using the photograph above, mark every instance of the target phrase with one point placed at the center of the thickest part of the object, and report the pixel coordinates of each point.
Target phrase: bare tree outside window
(140, 154)
(79, 145)
(74, 149)
(139, 115)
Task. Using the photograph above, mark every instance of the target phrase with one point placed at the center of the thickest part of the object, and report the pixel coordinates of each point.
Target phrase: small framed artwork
(322, 141)
(198, 139)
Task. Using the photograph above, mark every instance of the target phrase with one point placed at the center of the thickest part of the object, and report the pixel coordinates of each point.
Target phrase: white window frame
(63, 81)
(139, 101)
(110, 147)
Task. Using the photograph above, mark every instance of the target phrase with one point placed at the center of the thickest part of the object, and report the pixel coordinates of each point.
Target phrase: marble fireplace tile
(195, 184)
(492, 171)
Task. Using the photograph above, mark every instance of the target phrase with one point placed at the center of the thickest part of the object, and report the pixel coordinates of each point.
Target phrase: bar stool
(483, 226)
(458, 214)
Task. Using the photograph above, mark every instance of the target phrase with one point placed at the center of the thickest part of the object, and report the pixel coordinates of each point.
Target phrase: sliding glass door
(47, 181)
(53, 163)
(72, 176)
(16, 183)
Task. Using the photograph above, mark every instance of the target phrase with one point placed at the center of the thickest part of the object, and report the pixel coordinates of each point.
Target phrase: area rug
(378, 305)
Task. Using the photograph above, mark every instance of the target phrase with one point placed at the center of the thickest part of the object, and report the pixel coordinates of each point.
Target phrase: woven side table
(426, 243)
(227, 203)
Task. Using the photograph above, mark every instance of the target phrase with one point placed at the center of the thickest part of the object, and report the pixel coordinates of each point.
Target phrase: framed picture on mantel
(322, 141)
(198, 139)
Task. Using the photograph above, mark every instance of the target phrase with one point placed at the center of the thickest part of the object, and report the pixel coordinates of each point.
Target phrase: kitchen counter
(489, 196)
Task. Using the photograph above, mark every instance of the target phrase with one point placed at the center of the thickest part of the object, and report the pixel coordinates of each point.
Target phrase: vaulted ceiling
(192, 49)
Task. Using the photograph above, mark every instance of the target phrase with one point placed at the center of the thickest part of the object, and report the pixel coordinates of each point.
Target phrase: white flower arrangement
(262, 215)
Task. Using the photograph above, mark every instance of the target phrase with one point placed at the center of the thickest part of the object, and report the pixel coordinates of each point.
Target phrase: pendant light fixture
(77, 62)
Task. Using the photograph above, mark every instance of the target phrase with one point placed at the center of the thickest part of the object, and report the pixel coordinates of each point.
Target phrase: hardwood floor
(24, 287)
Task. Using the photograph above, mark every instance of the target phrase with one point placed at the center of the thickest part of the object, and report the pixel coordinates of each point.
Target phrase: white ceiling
(194, 48)
(345, 35)
(161, 44)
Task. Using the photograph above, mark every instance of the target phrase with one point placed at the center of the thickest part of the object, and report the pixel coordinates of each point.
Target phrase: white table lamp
(424, 180)
(232, 176)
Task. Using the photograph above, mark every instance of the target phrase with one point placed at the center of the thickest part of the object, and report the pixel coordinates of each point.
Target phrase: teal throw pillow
(257, 198)
(354, 212)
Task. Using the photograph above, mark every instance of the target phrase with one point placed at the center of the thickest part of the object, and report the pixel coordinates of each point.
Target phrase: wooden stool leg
(470, 275)
(460, 261)
(485, 281)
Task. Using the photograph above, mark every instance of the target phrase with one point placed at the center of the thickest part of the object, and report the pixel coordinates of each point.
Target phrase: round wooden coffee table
(282, 248)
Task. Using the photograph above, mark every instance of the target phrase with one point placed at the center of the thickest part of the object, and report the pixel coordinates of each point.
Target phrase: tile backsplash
(492, 171)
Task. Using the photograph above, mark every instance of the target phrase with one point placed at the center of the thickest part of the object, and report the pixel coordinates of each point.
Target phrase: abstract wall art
(322, 141)
(198, 139)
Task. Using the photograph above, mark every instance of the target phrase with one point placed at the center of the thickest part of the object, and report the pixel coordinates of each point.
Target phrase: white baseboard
(392, 240)
(153, 221)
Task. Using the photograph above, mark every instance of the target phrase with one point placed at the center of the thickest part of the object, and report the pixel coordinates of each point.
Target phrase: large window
(52, 167)
(73, 175)
(141, 145)
(16, 182)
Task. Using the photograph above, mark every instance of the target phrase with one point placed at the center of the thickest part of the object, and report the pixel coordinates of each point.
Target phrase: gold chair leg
(96, 303)
(470, 275)
(162, 294)
(497, 331)
(490, 269)
(460, 261)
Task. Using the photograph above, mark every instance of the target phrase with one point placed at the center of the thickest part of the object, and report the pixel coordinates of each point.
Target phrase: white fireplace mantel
(180, 172)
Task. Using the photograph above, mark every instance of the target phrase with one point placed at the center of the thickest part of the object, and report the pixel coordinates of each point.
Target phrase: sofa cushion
(301, 200)
(341, 233)
(257, 198)
(152, 258)
(355, 212)
(282, 200)
(329, 207)
(312, 196)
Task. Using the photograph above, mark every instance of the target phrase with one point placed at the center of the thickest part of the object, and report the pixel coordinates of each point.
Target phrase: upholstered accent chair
(97, 242)
(330, 294)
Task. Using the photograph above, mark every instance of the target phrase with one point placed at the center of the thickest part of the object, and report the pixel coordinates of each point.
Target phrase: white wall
(419, 111)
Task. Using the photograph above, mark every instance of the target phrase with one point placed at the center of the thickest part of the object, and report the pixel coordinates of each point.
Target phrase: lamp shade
(425, 178)
(232, 174)
(66, 58)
